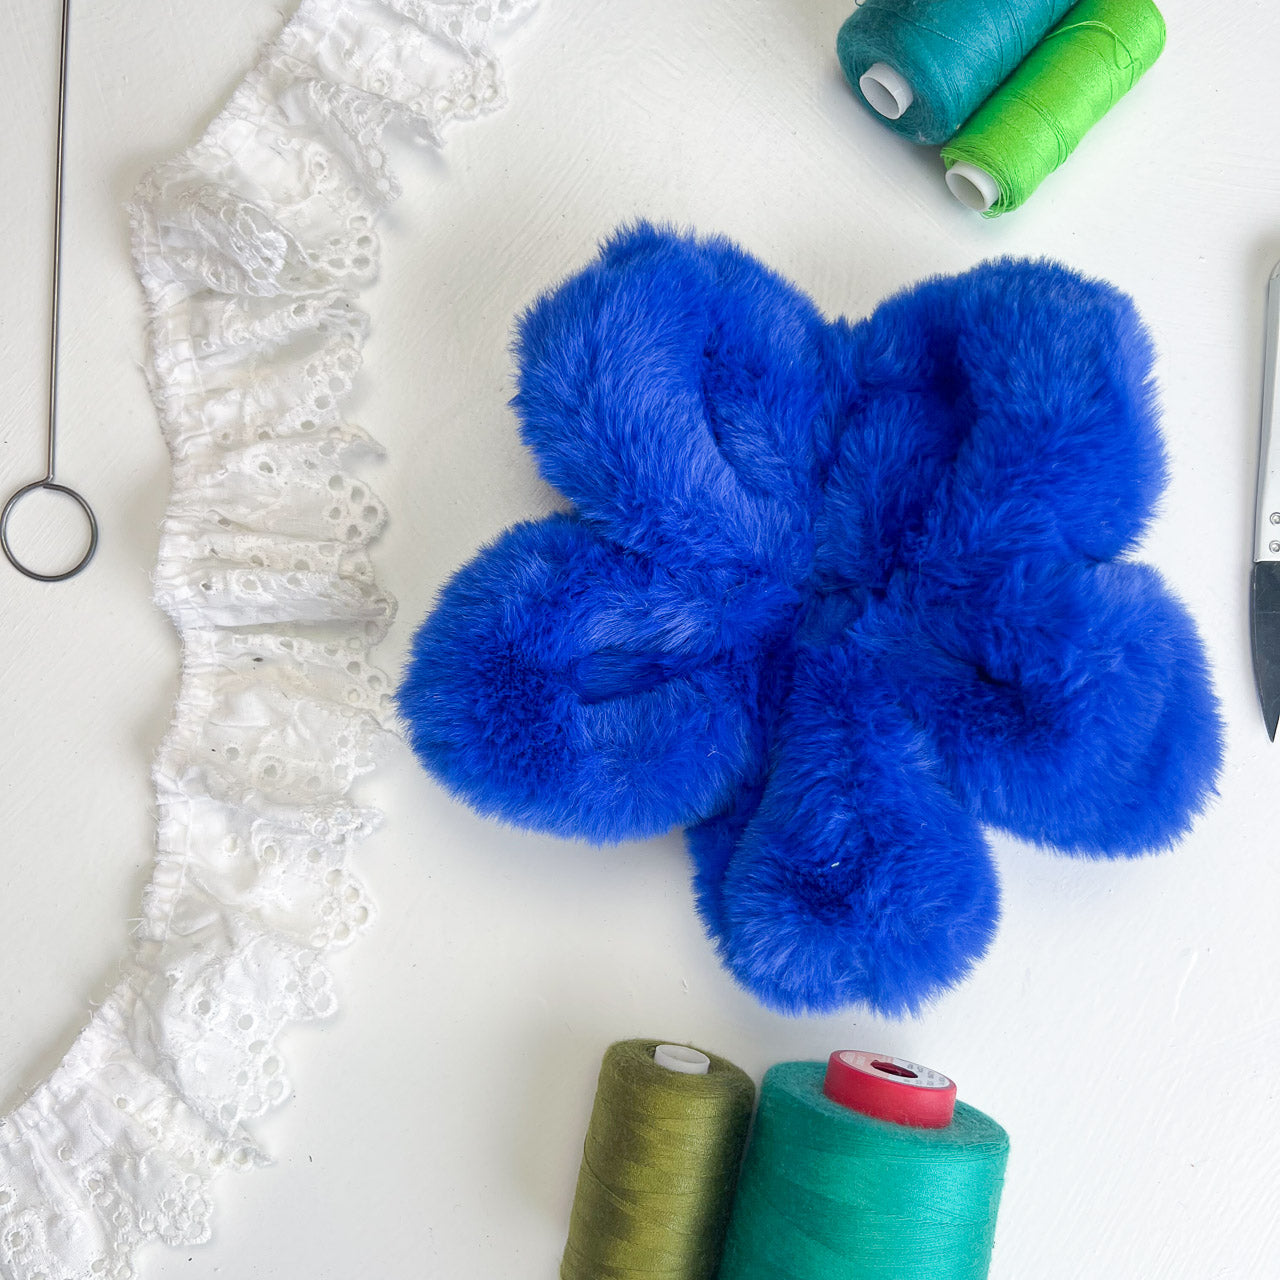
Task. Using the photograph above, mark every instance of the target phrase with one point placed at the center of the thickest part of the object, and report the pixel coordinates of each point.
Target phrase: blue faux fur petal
(832, 596)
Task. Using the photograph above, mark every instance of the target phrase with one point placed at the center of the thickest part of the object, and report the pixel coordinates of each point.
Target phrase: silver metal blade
(1265, 629)
(1266, 544)
(1265, 611)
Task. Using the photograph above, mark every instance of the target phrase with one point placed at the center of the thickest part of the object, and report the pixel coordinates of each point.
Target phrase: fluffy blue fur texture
(833, 596)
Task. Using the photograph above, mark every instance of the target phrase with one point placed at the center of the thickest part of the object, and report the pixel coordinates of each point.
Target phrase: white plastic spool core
(678, 1057)
(886, 91)
(972, 186)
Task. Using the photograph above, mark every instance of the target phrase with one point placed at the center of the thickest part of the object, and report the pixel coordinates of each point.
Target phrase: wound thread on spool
(924, 66)
(1037, 118)
(833, 1190)
(659, 1165)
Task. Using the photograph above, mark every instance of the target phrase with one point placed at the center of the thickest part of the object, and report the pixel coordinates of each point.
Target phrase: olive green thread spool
(865, 1168)
(659, 1165)
(1030, 125)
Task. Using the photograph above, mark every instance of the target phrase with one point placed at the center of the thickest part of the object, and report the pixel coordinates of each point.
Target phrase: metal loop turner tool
(48, 481)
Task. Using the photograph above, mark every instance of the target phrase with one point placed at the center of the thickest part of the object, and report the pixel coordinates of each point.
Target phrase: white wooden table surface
(1126, 1025)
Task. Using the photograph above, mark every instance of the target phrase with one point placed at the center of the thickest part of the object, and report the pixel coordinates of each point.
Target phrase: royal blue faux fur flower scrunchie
(832, 596)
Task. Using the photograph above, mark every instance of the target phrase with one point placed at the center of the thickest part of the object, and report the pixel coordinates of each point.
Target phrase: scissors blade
(1265, 608)
(1266, 639)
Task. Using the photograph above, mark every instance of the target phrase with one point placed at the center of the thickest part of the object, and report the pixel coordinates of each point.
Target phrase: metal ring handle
(54, 487)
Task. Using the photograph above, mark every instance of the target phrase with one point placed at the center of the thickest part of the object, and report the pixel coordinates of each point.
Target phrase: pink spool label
(889, 1088)
(909, 1074)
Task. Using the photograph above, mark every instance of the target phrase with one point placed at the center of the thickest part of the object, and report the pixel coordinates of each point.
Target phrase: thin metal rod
(48, 483)
(55, 309)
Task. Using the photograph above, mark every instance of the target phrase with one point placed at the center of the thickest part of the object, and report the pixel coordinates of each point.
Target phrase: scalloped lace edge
(250, 248)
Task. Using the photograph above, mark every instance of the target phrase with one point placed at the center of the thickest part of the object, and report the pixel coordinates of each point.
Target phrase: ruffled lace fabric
(250, 249)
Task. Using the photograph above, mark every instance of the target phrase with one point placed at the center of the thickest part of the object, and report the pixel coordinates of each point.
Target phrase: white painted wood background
(1126, 1025)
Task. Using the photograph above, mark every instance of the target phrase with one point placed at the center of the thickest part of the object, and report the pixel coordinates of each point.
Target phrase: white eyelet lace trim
(250, 249)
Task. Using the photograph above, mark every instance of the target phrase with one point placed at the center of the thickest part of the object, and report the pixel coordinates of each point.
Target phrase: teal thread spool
(829, 1192)
(1036, 119)
(924, 66)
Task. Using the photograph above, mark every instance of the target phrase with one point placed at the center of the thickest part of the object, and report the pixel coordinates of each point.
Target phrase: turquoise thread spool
(924, 66)
(865, 1169)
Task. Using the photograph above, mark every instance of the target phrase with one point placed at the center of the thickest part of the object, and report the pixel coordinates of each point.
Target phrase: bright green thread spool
(829, 1194)
(1034, 121)
(658, 1169)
